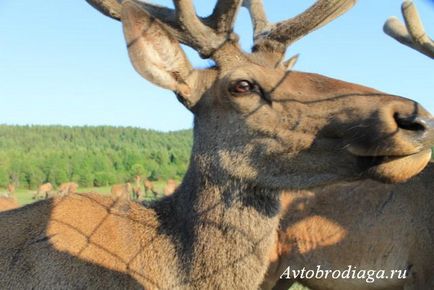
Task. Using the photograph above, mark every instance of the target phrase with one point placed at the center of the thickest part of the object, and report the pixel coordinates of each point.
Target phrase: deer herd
(287, 169)
(128, 191)
(125, 191)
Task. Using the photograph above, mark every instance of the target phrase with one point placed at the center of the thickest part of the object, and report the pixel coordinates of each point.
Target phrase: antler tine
(277, 37)
(209, 34)
(113, 8)
(198, 35)
(223, 17)
(413, 33)
(259, 18)
(205, 35)
(110, 8)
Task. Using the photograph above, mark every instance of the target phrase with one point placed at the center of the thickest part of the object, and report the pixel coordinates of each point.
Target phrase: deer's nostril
(412, 123)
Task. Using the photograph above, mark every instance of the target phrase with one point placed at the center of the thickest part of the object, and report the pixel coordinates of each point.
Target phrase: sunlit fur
(121, 191)
(366, 224)
(68, 188)
(44, 190)
(8, 203)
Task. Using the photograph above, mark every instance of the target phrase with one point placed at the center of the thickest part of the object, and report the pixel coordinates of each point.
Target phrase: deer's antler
(412, 33)
(277, 37)
(110, 8)
(206, 35)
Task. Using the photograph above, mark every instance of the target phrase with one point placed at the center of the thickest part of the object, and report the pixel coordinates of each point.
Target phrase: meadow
(24, 196)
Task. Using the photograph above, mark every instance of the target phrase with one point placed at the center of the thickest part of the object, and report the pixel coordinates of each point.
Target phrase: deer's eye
(242, 87)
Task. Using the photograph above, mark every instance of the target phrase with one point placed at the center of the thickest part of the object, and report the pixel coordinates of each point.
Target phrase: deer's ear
(155, 53)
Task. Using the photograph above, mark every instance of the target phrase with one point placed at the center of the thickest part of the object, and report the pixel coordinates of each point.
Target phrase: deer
(137, 190)
(170, 187)
(258, 129)
(43, 191)
(121, 191)
(137, 193)
(149, 187)
(8, 201)
(67, 188)
(11, 188)
(363, 223)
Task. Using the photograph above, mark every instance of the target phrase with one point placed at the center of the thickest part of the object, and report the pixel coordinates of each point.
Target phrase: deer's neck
(229, 229)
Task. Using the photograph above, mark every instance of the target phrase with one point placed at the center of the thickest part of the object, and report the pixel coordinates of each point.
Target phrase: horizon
(93, 126)
(63, 63)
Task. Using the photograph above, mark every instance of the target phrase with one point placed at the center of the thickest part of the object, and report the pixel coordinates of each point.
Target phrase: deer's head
(255, 119)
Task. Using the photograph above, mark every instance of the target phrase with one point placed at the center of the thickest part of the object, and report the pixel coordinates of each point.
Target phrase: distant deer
(11, 188)
(149, 188)
(8, 201)
(170, 187)
(364, 223)
(43, 191)
(258, 130)
(121, 191)
(67, 188)
(137, 188)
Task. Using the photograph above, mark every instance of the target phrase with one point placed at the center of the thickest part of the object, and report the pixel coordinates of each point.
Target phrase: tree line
(90, 156)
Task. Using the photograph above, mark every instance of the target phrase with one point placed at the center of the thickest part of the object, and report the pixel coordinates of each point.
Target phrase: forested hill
(91, 156)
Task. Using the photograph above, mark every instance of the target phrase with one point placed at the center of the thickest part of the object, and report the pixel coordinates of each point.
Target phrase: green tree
(137, 170)
(104, 178)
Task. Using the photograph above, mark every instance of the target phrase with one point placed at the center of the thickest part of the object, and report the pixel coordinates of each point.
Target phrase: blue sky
(61, 62)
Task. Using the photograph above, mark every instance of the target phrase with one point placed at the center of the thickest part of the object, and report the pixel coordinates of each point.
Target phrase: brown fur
(44, 190)
(121, 191)
(149, 187)
(137, 190)
(170, 187)
(291, 131)
(365, 224)
(11, 188)
(8, 203)
(68, 188)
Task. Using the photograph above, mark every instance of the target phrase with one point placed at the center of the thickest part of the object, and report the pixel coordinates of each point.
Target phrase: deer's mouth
(394, 169)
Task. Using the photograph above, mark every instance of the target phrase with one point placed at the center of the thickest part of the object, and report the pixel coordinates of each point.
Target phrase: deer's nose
(413, 123)
(420, 128)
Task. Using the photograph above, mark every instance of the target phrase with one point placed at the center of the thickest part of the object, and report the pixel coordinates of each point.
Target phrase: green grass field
(24, 196)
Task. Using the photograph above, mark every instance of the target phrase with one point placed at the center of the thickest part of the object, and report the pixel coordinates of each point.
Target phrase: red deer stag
(11, 188)
(259, 129)
(170, 187)
(68, 188)
(149, 187)
(43, 191)
(137, 189)
(8, 201)
(121, 191)
(366, 224)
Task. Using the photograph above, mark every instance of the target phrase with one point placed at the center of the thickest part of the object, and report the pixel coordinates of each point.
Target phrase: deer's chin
(394, 169)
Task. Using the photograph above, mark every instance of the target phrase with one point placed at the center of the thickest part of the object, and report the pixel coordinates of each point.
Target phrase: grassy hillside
(91, 156)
